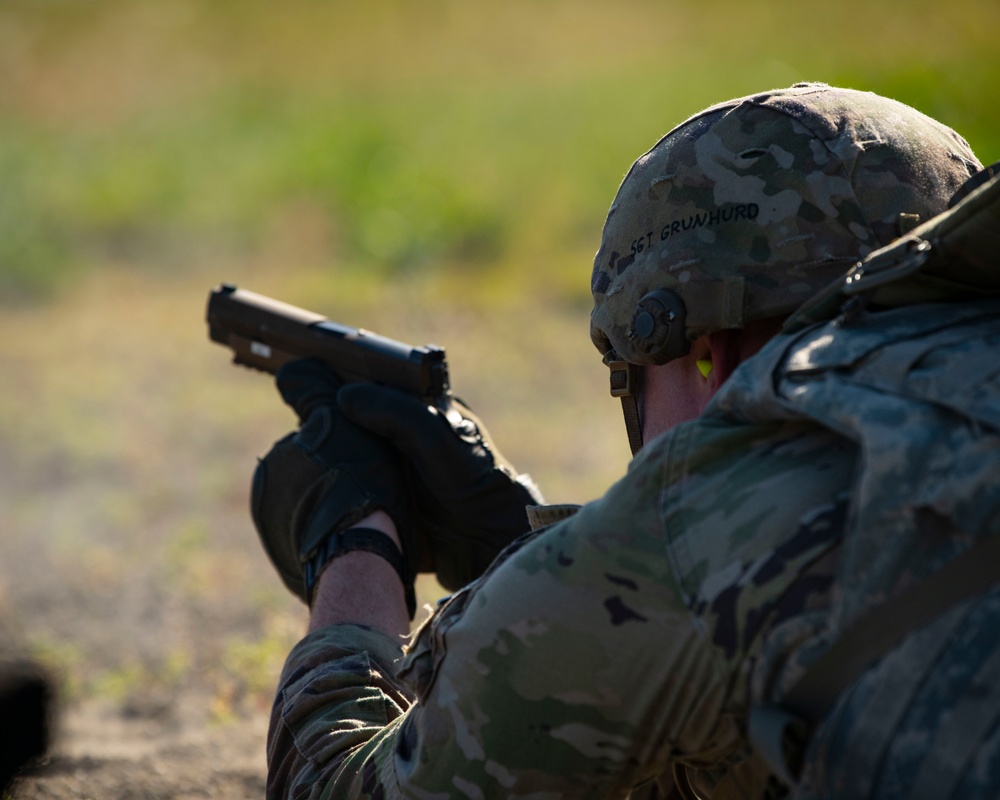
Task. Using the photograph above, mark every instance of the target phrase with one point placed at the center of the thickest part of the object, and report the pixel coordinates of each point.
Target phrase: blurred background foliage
(397, 137)
(435, 170)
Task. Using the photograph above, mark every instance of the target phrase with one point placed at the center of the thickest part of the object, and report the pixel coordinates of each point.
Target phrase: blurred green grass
(435, 171)
(386, 137)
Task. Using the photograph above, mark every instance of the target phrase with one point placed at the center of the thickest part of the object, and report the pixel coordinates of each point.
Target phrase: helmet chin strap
(625, 385)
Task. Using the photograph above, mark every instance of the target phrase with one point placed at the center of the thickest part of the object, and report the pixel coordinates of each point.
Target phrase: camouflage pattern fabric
(593, 657)
(750, 207)
(918, 389)
(601, 653)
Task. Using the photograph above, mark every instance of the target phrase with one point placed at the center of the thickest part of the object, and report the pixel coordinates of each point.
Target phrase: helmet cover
(750, 207)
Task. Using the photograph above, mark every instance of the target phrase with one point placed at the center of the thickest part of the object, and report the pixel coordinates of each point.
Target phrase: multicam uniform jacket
(599, 654)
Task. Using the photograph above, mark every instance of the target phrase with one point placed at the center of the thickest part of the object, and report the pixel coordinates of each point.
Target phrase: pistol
(264, 333)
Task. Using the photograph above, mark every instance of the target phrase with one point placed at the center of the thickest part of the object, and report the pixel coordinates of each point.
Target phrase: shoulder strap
(778, 731)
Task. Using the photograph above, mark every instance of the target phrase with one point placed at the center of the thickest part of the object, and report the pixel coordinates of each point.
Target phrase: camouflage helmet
(747, 209)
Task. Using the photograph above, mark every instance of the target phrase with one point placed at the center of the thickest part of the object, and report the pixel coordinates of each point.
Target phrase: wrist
(382, 522)
(374, 536)
(360, 589)
(378, 522)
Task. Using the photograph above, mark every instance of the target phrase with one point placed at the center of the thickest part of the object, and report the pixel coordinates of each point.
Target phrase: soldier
(735, 617)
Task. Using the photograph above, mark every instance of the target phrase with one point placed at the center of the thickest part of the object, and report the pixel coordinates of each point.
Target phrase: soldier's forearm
(362, 588)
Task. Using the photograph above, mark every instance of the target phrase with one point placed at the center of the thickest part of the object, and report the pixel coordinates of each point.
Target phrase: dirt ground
(163, 688)
(129, 565)
(159, 752)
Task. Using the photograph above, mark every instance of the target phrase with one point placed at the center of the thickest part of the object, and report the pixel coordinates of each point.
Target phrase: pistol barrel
(264, 333)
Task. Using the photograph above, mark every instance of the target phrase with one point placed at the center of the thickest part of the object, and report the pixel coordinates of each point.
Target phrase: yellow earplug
(704, 366)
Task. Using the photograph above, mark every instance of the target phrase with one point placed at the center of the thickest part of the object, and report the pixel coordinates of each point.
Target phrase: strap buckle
(887, 267)
(625, 385)
(623, 376)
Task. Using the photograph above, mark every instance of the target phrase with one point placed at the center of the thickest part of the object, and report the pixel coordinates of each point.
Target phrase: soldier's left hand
(324, 478)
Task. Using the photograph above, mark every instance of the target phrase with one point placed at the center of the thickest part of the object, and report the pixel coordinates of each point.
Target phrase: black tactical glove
(317, 482)
(469, 500)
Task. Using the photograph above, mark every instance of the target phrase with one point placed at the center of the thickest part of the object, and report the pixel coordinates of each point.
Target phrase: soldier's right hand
(469, 500)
